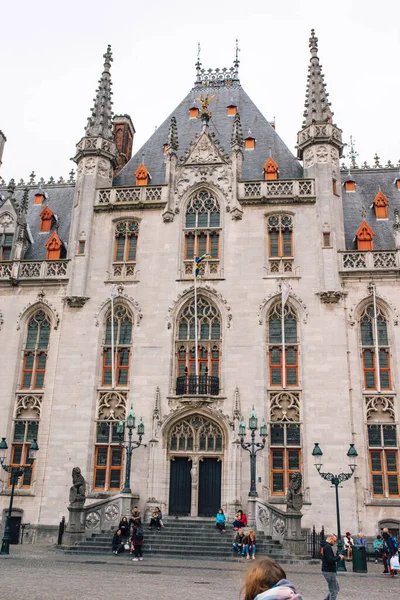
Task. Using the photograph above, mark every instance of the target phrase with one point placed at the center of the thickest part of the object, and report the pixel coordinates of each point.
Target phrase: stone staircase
(187, 538)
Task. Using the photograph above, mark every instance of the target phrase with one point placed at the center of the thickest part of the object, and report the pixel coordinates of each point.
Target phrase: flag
(285, 293)
(197, 261)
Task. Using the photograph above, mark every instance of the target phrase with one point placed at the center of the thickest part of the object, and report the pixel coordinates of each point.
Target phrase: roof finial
(313, 43)
(99, 123)
(237, 50)
(317, 107)
(353, 153)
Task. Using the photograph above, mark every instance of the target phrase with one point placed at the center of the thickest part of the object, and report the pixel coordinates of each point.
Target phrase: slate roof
(152, 152)
(60, 201)
(368, 182)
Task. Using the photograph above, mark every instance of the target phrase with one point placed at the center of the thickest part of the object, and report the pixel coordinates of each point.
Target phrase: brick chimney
(3, 140)
(124, 133)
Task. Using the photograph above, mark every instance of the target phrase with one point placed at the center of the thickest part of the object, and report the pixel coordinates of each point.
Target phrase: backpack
(395, 543)
(139, 532)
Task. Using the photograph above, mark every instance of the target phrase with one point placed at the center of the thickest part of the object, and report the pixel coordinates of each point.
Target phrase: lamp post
(15, 473)
(336, 480)
(130, 446)
(253, 447)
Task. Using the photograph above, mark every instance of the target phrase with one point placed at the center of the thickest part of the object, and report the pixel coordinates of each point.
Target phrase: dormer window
(249, 143)
(46, 219)
(54, 247)
(270, 169)
(364, 237)
(350, 186)
(165, 148)
(231, 110)
(142, 175)
(381, 205)
(39, 198)
(193, 112)
(397, 183)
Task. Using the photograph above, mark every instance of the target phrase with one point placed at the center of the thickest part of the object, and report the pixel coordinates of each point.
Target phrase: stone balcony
(358, 261)
(281, 191)
(27, 270)
(144, 195)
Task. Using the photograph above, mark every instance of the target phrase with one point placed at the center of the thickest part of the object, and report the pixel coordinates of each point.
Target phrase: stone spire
(99, 123)
(172, 138)
(317, 106)
(237, 134)
(318, 133)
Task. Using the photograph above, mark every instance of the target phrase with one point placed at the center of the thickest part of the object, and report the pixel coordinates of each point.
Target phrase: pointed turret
(172, 138)
(317, 125)
(99, 123)
(237, 134)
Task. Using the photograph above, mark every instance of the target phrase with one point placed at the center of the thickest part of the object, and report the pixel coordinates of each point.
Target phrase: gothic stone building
(215, 178)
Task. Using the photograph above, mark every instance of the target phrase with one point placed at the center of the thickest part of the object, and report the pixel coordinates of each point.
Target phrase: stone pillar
(75, 530)
(251, 512)
(293, 539)
(194, 472)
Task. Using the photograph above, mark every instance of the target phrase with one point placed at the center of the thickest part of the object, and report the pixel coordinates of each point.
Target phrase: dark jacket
(248, 541)
(239, 539)
(136, 541)
(329, 559)
(388, 546)
(124, 527)
(116, 541)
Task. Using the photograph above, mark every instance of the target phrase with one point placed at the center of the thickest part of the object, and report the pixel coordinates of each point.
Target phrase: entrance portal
(209, 487)
(180, 487)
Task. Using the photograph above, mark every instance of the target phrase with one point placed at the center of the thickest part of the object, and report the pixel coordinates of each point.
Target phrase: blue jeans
(246, 549)
(238, 548)
(333, 585)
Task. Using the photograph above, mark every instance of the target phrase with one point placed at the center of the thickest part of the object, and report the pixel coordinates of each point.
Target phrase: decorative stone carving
(112, 406)
(294, 498)
(204, 151)
(322, 154)
(111, 513)
(262, 517)
(268, 300)
(76, 301)
(210, 292)
(355, 309)
(28, 405)
(40, 300)
(77, 493)
(6, 221)
(309, 157)
(279, 526)
(103, 168)
(331, 297)
(285, 406)
(380, 408)
(131, 301)
(92, 520)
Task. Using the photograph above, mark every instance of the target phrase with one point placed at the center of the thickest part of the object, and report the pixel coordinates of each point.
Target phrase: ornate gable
(204, 151)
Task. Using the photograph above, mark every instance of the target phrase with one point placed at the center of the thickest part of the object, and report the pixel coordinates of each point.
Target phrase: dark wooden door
(209, 487)
(180, 486)
(15, 524)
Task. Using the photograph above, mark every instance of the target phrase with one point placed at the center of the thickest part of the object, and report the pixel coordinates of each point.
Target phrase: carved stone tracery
(28, 406)
(285, 406)
(380, 408)
(112, 406)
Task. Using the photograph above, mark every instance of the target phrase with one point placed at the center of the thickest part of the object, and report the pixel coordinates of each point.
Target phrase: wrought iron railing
(193, 385)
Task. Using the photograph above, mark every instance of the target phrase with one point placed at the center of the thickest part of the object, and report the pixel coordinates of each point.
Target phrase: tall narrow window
(284, 439)
(123, 322)
(209, 349)
(35, 352)
(280, 244)
(276, 347)
(370, 346)
(108, 457)
(7, 226)
(384, 460)
(125, 248)
(24, 434)
(202, 234)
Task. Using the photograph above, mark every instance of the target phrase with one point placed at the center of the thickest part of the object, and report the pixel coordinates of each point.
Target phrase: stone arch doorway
(195, 453)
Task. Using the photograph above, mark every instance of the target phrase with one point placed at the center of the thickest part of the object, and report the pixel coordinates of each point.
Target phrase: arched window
(196, 434)
(202, 233)
(283, 354)
(375, 377)
(123, 323)
(280, 231)
(126, 234)
(35, 351)
(209, 349)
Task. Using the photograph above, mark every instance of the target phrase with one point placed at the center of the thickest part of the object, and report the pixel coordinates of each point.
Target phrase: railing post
(43, 269)
(296, 188)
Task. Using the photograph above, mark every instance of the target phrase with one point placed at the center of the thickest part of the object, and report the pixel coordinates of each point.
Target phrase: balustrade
(30, 269)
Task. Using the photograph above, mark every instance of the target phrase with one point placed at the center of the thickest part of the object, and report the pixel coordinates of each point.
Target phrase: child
(220, 521)
(266, 580)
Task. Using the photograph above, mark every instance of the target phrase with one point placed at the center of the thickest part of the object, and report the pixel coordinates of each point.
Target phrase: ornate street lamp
(129, 445)
(15, 473)
(253, 447)
(336, 480)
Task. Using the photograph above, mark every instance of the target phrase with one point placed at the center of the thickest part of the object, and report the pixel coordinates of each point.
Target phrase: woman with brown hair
(249, 545)
(266, 580)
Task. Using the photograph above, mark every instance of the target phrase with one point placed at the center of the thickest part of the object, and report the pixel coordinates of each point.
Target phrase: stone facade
(325, 396)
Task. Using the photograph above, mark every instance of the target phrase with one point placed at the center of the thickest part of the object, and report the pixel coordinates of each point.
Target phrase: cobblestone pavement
(37, 573)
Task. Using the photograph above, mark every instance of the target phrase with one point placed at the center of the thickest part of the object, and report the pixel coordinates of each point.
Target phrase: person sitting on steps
(238, 543)
(249, 545)
(155, 519)
(117, 542)
(220, 521)
(240, 520)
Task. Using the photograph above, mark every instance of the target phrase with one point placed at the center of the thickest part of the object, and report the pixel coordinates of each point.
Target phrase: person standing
(390, 550)
(238, 543)
(220, 521)
(329, 566)
(249, 545)
(137, 540)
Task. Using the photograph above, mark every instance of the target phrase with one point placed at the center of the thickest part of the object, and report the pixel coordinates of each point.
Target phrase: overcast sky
(51, 60)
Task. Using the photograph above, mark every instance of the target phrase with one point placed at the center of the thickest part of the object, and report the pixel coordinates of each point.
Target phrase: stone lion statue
(77, 492)
(294, 498)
